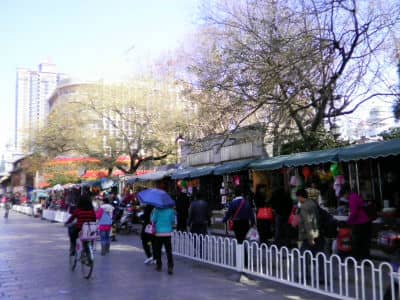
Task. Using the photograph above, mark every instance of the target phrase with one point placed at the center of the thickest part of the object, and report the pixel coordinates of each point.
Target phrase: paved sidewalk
(34, 265)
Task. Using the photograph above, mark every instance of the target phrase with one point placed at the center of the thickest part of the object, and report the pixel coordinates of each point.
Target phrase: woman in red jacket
(82, 214)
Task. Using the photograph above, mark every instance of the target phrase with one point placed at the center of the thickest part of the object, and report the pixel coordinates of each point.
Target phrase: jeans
(361, 240)
(240, 228)
(159, 242)
(105, 237)
(199, 229)
(73, 233)
(315, 249)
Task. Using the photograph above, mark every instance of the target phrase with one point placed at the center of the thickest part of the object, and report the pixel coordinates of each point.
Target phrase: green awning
(312, 158)
(181, 174)
(370, 150)
(232, 167)
(269, 164)
(158, 175)
(201, 171)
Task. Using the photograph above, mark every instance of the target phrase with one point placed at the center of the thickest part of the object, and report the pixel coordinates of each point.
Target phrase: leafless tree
(296, 64)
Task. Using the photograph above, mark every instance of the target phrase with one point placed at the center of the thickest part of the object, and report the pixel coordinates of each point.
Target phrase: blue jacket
(245, 213)
(164, 221)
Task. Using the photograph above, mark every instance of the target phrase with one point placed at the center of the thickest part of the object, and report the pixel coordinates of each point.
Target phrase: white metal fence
(342, 278)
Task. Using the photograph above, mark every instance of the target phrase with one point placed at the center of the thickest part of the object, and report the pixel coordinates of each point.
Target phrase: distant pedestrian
(199, 216)
(182, 210)
(282, 205)
(360, 223)
(7, 207)
(147, 238)
(314, 192)
(104, 216)
(164, 221)
(309, 234)
(242, 215)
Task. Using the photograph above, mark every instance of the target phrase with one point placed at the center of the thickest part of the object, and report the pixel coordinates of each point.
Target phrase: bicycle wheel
(87, 260)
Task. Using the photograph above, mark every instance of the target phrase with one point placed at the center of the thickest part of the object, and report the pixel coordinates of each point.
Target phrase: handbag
(150, 229)
(294, 218)
(89, 231)
(265, 213)
(253, 235)
(231, 223)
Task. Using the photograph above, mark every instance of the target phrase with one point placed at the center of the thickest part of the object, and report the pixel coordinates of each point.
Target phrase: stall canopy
(312, 158)
(269, 164)
(94, 183)
(354, 152)
(232, 167)
(193, 172)
(370, 150)
(158, 175)
(182, 174)
(202, 171)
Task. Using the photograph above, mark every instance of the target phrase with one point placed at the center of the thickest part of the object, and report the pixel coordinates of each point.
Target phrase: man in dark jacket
(199, 216)
(241, 213)
(182, 210)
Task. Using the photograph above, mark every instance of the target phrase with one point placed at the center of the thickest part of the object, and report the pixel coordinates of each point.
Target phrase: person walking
(242, 215)
(7, 207)
(282, 206)
(199, 216)
(147, 238)
(182, 210)
(309, 234)
(360, 223)
(104, 217)
(164, 221)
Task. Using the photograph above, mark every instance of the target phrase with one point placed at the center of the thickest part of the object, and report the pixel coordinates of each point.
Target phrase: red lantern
(306, 173)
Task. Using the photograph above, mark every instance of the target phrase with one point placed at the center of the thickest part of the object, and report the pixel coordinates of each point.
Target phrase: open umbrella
(157, 198)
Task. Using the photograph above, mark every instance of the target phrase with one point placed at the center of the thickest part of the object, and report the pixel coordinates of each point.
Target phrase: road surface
(34, 265)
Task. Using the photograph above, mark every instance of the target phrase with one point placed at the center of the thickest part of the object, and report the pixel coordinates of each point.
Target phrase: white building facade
(33, 87)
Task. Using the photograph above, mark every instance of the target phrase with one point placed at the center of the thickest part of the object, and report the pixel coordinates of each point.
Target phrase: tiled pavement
(34, 265)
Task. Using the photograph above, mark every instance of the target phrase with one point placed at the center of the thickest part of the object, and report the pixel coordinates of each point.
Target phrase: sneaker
(153, 262)
(170, 271)
(148, 261)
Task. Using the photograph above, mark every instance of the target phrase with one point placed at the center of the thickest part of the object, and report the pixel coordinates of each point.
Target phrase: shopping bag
(265, 213)
(294, 218)
(150, 229)
(253, 235)
(89, 231)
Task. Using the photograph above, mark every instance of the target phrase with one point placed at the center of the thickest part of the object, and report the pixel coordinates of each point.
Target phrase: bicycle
(84, 250)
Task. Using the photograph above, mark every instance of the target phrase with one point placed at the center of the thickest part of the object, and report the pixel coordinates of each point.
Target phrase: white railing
(332, 276)
(27, 210)
(55, 215)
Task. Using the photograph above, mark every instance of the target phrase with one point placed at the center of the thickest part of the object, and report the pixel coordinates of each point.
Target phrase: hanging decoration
(334, 169)
(306, 173)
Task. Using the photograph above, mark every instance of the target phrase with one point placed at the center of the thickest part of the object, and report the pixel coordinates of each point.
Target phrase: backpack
(327, 223)
(105, 219)
(370, 209)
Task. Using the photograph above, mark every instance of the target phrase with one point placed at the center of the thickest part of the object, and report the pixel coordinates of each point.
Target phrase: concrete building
(33, 87)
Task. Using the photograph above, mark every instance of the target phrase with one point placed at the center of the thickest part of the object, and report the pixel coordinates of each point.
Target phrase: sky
(88, 39)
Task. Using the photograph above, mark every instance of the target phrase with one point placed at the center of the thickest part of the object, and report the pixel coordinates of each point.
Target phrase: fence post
(240, 257)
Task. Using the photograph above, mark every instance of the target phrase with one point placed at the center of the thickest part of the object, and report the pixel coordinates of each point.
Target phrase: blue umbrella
(157, 198)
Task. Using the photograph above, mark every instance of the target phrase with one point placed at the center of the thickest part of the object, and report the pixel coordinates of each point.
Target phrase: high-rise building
(33, 87)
